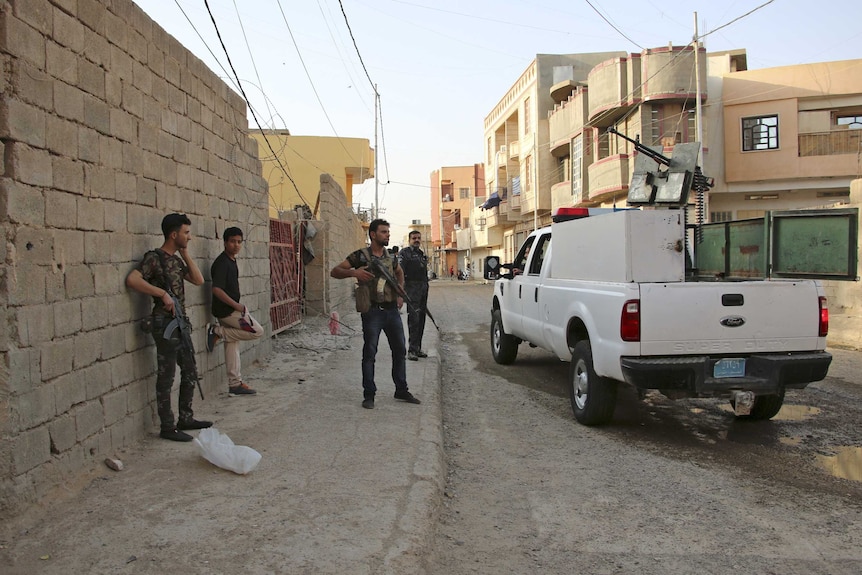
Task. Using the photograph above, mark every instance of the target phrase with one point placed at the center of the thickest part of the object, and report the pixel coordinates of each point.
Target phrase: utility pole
(376, 180)
(700, 208)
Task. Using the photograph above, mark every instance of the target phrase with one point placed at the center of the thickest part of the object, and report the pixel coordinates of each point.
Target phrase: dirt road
(668, 487)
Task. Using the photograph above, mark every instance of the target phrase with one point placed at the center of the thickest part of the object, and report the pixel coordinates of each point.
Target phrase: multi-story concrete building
(781, 138)
(792, 138)
(455, 192)
(293, 170)
(519, 166)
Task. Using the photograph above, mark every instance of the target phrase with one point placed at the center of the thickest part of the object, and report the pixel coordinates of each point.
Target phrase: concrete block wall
(844, 297)
(106, 124)
(341, 233)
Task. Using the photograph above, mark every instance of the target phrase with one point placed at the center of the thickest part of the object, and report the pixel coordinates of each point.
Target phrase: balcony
(561, 195)
(673, 79)
(608, 176)
(609, 90)
(567, 120)
(514, 148)
(830, 143)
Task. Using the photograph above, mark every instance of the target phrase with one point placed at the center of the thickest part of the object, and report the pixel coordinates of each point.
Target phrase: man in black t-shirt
(235, 324)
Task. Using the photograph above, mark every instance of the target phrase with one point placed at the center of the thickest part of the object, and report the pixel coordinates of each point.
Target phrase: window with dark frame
(760, 133)
(852, 122)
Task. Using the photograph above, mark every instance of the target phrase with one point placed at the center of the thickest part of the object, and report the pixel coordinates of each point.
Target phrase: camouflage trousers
(418, 293)
(170, 353)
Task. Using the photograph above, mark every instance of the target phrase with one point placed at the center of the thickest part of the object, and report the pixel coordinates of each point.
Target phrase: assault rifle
(375, 265)
(179, 322)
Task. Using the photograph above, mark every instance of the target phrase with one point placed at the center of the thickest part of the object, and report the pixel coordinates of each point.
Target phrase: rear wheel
(765, 407)
(593, 398)
(504, 347)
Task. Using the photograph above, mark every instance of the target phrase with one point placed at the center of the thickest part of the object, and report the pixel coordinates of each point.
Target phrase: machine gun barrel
(661, 159)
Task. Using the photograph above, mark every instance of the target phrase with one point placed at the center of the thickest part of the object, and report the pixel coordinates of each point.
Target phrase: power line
(750, 12)
(251, 109)
(611, 24)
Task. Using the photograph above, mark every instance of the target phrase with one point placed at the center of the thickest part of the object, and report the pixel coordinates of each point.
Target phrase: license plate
(729, 367)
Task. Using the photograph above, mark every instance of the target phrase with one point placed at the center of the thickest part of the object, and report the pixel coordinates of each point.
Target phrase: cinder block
(68, 246)
(35, 325)
(62, 434)
(94, 314)
(123, 125)
(142, 78)
(122, 249)
(69, 390)
(125, 181)
(30, 449)
(88, 145)
(34, 246)
(32, 85)
(121, 306)
(68, 31)
(97, 248)
(68, 101)
(22, 122)
(114, 404)
(122, 370)
(115, 217)
(88, 349)
(111, 156)
(55, 285)
(29, 165)
(23, 367)
(67, 318)
(108, 279)
(57, 358)
(21, 40)
(36, 13)
(91, 78)
(116, 29)
(26, 284)
(113, 341)
(89, 419)
(96, 114)
(68, 176)
(79, 282)
(113, 89)
(138, 394)
(61, 208)
(34, 408)
(97, 379)
(61, 63)
(91, 214)
(146, 196)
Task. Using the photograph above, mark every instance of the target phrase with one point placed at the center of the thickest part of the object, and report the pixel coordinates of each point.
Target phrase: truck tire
(593, 397)
(504, 347)
(765, 407)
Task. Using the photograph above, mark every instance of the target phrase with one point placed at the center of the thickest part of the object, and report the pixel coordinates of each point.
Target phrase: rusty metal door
(285, 268)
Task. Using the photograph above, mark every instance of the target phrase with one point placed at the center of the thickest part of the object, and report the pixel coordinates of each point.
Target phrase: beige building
(792, 138)
(519, 165)
(455, 193)
(293, 164)
(781, 138)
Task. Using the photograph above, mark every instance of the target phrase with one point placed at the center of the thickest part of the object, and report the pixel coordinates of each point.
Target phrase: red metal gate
(285, 269)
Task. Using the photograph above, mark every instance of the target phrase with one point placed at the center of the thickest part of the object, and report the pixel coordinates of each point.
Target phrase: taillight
(824, 318)
(630, 321)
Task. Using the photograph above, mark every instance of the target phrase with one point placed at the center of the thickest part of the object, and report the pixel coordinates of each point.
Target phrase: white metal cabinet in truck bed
(609, 294)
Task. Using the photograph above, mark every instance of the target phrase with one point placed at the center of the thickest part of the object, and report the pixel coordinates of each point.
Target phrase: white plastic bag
(218, 449)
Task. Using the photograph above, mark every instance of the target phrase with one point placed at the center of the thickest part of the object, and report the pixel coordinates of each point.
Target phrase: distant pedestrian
(382, 314)
(451, 271)
(160, 274)
(414, 263)
(235, 324)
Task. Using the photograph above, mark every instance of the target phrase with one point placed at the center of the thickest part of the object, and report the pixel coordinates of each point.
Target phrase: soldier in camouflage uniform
(160, 273)
(414, 262)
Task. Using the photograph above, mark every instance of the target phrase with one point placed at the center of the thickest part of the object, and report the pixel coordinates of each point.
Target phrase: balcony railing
(830, 143)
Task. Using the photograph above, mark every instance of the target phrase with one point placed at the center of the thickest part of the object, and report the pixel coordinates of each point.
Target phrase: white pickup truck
(609, 294)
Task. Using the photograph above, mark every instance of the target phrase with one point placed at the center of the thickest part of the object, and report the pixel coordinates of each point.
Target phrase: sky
(440, 66)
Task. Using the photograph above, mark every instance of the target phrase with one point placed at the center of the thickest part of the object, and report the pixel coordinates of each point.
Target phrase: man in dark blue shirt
(414, 262)
(235, 324)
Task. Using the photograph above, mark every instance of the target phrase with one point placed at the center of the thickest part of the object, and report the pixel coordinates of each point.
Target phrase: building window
(577, 162)
(463, 193)
(720, 216)
(852, 122)
(760, 133)
(527, 126)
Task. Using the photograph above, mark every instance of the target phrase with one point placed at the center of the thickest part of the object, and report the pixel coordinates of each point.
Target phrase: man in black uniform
(414, 262)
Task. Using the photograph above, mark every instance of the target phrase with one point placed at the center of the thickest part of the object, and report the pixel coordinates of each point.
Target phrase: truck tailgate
(729, 318)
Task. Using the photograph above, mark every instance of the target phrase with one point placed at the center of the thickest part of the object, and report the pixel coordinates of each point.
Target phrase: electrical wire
(750, 12)
(245, 97)
(611, 24)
